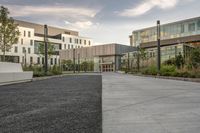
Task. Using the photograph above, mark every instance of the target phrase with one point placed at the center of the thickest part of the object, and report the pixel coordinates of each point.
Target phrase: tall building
(26, 51)
(176, 38)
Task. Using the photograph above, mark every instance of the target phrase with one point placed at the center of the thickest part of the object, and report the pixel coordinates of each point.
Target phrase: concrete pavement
(134, 104)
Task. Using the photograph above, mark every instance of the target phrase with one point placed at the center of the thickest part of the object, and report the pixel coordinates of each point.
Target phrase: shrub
(56, 70)
(152, 70)
(168, 70)
(171, 61)
(38, 71)
(195, 58)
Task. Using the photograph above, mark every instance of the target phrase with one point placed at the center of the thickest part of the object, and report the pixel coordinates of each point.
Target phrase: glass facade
(168, 31)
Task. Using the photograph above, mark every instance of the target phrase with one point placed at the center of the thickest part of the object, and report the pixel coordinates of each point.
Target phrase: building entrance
(107, 68)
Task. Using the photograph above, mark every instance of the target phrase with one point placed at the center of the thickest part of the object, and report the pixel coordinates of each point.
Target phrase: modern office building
(106, 57)
(32, 35)
(177, 37)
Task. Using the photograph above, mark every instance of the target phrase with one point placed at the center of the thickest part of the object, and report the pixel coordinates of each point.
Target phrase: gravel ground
(70, 104)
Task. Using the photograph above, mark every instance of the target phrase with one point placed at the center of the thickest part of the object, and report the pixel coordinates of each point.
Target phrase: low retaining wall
(13, 73)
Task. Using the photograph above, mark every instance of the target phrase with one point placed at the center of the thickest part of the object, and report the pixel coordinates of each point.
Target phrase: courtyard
(134, 104)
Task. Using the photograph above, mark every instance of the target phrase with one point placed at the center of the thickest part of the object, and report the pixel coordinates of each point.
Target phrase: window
(29, 50)
(24, 50)
(191, 27)
(68, 46)
(182, 28)
(85, 42)
(42, 60)
(198, 24)
(16, 49)
(72, 46)
(80, 41)
(22, 41)
(51, 61)
(65, 46)
(55, 61)
(89, 43)
(31, 42)
(24, 33)
(63, 39)
(70, 40)
(31, 60)
(38, 60)
(29, 34)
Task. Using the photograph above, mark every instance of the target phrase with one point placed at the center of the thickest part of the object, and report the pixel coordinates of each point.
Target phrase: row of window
(77, 41)
(29, 33)
(168, 31)
(71, 46)
(53, 61)
(23, 50)
(22, 42)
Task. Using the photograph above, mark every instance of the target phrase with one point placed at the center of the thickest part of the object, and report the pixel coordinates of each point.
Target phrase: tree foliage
(50, 50)
(67, 65)
(9, 32)
(195, 58)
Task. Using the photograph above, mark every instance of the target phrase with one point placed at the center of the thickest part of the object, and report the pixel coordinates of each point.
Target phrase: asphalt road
(71, 104)
(134, 104)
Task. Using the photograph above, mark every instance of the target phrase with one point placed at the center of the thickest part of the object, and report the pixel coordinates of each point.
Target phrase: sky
(105, 21)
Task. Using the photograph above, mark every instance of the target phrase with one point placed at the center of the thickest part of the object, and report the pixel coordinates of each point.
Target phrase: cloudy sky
(105, 21)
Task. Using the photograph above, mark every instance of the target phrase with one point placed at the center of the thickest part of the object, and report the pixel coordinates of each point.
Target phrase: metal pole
(25, 57)
(46, 48)
(78, 62)
(74, 61)
(158, 47)
(128, 63)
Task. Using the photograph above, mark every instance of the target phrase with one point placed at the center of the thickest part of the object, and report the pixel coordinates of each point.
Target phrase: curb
(197, 80)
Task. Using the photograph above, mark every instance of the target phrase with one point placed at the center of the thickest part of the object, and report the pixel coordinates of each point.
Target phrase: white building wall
(27, 38)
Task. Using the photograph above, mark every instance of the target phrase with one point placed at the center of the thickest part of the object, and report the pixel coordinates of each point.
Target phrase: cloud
(148, 5)
(81, 25)
(53, 11)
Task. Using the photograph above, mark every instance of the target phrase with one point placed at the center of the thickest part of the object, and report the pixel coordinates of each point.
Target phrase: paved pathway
(147, 105)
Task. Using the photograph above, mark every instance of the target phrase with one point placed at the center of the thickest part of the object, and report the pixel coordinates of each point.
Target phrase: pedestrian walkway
(147, 105)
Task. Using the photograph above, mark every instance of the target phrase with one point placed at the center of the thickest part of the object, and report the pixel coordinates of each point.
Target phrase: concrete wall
(13, 73)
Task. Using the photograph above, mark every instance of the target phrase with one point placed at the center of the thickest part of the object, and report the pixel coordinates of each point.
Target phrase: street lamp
(78, 62)
(74, 60)
(25, 57)
(158, 47)
(46, 48)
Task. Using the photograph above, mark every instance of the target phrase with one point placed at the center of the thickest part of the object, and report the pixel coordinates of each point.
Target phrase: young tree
(9, 32)
(195, 58)
(67, 64)
(179, 61)
(50, 50)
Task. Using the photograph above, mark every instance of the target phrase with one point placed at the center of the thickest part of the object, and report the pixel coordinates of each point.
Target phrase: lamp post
(158, 47)
(46, 48)
(78, 62)
(128, 62)
(74, 61)
(25, 57)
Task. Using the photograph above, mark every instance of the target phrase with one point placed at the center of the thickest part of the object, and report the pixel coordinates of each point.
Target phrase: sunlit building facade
(176, 38)
(26, 51)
